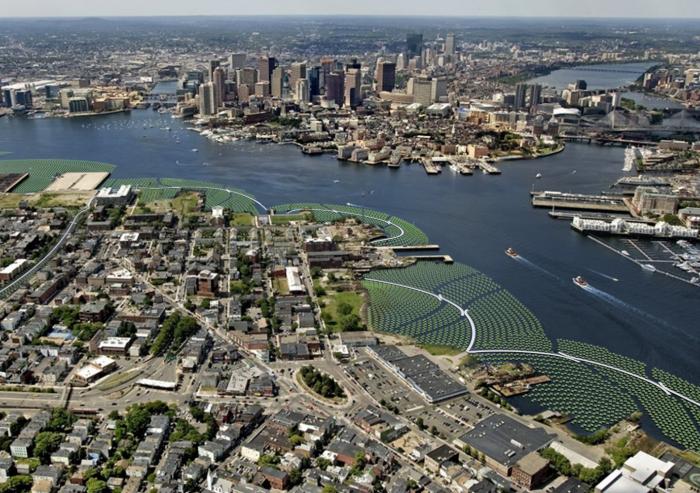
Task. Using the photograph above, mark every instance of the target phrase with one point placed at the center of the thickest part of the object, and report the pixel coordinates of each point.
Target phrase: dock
(489, 168)
(442, 258)
(605, 203)
(430, 167)
(414, 248)
(601, 216)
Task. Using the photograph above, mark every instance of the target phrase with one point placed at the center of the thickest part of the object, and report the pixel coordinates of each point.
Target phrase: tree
(45, 443)
(95, 485)
(344, 308)
(17, 484)
(61, 420)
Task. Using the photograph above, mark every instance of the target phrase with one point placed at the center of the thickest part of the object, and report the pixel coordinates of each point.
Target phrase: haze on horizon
(498, 8)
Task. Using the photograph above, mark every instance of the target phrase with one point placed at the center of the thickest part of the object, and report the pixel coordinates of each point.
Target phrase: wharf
(414, 248)
(600, 216)
(579, 201)
(443, 258)
(430, 167)
(489, 168)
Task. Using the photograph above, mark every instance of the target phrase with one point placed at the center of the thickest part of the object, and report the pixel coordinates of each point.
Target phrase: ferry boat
(512, 253)
(580, 282)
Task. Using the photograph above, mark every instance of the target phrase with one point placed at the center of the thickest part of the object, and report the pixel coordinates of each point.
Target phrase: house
(276, 478)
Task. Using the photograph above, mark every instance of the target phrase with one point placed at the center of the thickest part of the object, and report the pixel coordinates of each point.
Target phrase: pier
(430, 167)
(488, 168)
(578, 201)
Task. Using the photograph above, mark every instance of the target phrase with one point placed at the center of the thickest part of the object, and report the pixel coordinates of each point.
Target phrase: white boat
(538, 175)
(649, 267)
(195, 150)
(625, 253)
(580, 282)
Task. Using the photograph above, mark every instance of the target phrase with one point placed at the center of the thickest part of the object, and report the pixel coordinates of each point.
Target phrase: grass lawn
(241, 219)
(183, 204)
(45, 200)
(279, 284)
(284, 219)
(334, 299)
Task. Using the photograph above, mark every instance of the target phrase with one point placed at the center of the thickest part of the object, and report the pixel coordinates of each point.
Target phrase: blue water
(652, 102)
(473, 218)
(605, 76)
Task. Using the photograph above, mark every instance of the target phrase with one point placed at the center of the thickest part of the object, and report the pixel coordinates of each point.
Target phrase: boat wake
(618, 303)
(534, 266)
(611, 278)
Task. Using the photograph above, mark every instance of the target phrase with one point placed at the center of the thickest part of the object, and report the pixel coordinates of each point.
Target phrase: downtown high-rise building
(535, 95)
(301, 91)
(335, 87)
(314, 76)
(266, 65)
(219, 81)
(248, 76)
(414, 45)
(211, 66)
(236, 61)
(207, 105)
(277, 83)
(353, 87)
(450, 44)
(297, 73)
(386, 76)
(520, 96)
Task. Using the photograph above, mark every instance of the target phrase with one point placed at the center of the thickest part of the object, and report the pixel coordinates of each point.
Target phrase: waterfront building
(78, 105)
(219, 81)
(207, 103)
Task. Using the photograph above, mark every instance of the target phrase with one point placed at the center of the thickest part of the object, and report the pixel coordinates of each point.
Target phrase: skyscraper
(353, 87)
(277, 84)
(520, 95)
(386, 76)
(246, 76)
(237, 60)
(298, 72)
(301, 90)
(206, 99)
(265, 67)
(219, 81)
(212, 66)
(414, 44)
(335, 85)
(535, 94)
(450, 44)
(314, 76)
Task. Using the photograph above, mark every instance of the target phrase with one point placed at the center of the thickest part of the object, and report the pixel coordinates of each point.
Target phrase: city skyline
(477, 8)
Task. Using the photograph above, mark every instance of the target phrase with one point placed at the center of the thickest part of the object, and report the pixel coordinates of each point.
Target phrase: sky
(527, 8)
